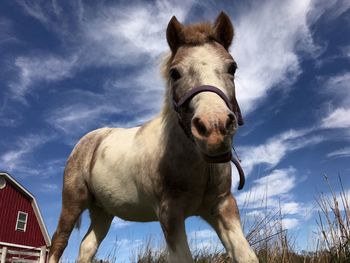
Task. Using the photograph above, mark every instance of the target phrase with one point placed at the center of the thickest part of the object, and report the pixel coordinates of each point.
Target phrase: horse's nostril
(230, 121)
(200, 126)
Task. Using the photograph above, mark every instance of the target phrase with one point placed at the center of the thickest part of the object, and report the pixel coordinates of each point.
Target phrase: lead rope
(235, 152)
(236, 161)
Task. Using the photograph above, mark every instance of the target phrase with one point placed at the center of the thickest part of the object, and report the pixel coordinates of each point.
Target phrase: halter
(178, 107)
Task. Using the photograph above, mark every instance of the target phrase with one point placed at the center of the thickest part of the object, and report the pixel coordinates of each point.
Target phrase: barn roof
(34, 203)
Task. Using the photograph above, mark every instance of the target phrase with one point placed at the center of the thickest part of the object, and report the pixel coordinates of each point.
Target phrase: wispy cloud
(115, 35)
(79, 118)
(34, 69)
(339, 118)
(266, 46)
(337, 88)
(133, 30)
(125, 34)
(19, 158)
(273, 194)
(346, 51)
(276, 148)
(118, 37)
(341, 153)
(48, 188)
(330, 9)
(6, 32)
(21, 149)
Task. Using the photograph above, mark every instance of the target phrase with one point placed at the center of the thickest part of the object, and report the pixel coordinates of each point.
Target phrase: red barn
(23, 234)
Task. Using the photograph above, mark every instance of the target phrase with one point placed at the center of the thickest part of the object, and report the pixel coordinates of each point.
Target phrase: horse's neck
(175, 139)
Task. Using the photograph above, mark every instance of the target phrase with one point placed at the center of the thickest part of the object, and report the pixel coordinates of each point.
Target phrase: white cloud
(339, 118)
(276, 148)
(120, 223)
(130, 31)
(341, 153)
(271, 187)
(265, 47)
(291, 208)
(290, 223)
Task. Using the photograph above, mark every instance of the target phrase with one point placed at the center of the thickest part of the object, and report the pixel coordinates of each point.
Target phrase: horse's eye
(232, 69)
(174, 74)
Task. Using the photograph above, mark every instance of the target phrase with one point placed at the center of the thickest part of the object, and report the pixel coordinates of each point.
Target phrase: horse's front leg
(172, 220)
(224, 218)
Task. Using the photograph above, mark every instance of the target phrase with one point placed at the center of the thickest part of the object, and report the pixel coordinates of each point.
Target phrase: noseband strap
(193, 92)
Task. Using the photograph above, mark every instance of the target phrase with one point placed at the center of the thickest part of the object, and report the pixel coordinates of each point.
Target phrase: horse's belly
(121, 197)
(131, 211)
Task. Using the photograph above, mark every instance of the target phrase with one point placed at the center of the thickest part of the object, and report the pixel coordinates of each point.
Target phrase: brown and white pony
(175, 166)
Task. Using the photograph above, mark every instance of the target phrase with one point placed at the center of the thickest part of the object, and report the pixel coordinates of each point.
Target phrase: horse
(174, 166)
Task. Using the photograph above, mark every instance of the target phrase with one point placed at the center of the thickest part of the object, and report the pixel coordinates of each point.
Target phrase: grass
(272, 242)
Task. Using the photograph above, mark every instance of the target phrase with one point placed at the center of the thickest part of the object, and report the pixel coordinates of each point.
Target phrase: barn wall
(12, 201)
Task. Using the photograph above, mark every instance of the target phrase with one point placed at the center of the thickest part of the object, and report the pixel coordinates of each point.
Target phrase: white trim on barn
(19, 246)
(34, 205)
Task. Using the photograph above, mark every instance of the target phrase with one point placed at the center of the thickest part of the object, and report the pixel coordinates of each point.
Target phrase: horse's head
(200, 58)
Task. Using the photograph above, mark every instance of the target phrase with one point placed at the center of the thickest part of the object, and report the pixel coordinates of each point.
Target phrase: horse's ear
(174, 34)
(223, 30)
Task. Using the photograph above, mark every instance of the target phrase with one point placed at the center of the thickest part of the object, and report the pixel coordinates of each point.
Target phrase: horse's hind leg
(71, 210)
(75, 199)
(100, 223)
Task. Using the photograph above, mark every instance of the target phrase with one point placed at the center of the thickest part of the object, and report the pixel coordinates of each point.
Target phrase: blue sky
(67, 67)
